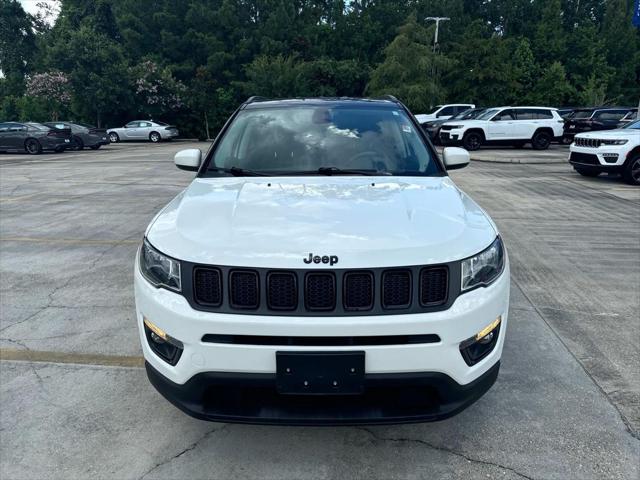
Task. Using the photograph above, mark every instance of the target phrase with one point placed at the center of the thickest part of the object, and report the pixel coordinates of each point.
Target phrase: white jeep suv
(322, 268)
(616, 151)
(506, 125)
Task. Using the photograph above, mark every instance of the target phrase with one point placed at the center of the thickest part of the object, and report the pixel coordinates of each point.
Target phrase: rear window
(298, 140)
(578, 114)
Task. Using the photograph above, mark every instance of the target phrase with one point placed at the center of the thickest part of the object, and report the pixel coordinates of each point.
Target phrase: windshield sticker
(406, 128)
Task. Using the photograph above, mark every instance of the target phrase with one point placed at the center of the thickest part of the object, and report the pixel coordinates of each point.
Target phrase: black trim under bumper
(388, 398)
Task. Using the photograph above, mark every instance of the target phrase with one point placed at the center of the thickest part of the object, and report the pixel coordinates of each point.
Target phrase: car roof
(528, 106)
(321, 101)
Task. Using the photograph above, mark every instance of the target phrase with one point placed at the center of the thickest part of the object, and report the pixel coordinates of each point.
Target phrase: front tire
(155, 137)
(78, 144)
(631, 172)
(113, 137)
(472, 141)
(587, 172)
(541, 141)
(33, 147)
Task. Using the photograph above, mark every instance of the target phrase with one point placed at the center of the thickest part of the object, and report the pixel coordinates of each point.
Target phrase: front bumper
(235, 382)
(606, 157)
(451, 137)
(389, 398)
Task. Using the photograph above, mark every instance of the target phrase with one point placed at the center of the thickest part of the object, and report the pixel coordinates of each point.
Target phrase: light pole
(437, 20)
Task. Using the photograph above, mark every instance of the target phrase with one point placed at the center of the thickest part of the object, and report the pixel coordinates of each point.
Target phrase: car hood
(365, 221)
(617, 133)
(466, 123)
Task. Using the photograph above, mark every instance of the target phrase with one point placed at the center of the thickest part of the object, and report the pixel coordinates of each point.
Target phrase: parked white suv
(608, 151)
(442, 112)
(322, 267)
(506, 125)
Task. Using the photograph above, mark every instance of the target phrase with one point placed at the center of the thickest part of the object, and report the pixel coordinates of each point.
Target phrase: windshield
(462, 115)
(38, 126)
(633, 125)
(582, 114)
(488, 114)
(304, 139)
(434, 109)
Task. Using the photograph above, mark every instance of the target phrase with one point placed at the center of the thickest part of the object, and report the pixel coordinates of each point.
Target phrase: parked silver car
(143, 130)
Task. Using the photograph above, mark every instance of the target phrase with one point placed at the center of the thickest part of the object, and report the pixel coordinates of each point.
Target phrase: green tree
(410, 69)
(549, 38)
(552, 88)
(622, 42)
(17, 45)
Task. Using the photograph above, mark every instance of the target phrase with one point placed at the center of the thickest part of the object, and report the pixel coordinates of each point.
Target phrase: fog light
(162, 344)
(610, 157)
(475, 348)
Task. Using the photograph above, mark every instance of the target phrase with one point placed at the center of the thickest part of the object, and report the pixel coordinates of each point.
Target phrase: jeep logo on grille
(330, 259)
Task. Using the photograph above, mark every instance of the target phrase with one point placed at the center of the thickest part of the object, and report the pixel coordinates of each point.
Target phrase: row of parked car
(473, 127)
(33, 138)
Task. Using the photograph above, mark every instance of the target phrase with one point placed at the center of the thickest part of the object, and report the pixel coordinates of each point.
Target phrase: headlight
(454, 127)
(613, 142)
(158, 269)
(483, 268)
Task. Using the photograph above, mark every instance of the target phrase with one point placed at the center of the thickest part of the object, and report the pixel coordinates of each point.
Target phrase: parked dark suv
(83, 135)
(592, 119)
(33, 137)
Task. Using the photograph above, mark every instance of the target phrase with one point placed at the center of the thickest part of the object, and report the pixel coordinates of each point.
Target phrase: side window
(545, 114)
(505, 115)
(4, 127)
(132, 124)
(145, 124)
(446, 111)
(16, 127)
(525, 114)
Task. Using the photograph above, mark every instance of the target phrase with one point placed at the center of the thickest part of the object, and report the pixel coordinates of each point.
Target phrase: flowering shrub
(51, 85)
(53, 88)
(157, 87)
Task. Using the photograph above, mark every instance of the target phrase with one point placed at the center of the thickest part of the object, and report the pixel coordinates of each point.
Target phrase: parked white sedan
(143, 130)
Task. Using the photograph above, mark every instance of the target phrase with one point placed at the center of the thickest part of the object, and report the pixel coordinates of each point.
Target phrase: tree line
(192, 62)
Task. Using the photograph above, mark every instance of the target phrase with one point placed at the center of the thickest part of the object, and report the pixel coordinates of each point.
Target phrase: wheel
(58, 150)
(78, 144)
(541, 141)
(472, 141)
(587, 172)
(154, 137)
(94, 147)
(113, 137)
(33, 146)
(566, 140)
(519, 144)
(631, 172)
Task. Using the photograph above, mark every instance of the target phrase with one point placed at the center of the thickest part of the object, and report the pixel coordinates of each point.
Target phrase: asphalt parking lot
(75, 402)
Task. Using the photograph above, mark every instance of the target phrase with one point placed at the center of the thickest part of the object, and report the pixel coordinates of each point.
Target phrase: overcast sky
(31, 5)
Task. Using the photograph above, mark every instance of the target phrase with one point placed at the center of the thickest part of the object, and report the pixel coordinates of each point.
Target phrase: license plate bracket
(320, 373)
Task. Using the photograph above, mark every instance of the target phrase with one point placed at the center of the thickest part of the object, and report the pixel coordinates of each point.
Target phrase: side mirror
(189, 159)
(455, 158)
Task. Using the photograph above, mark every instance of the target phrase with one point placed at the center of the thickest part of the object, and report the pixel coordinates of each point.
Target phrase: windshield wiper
(240, 172)
(350, 171)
